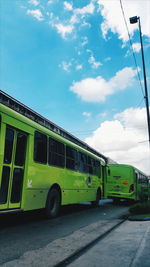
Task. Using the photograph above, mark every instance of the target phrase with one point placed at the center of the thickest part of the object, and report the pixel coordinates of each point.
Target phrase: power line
(140, 102)
(144, 141)
(131, 46)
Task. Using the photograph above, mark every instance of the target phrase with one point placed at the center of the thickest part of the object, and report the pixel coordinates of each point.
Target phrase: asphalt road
(24, 232)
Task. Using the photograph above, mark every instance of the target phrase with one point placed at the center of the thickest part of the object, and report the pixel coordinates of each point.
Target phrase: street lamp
(132, 21)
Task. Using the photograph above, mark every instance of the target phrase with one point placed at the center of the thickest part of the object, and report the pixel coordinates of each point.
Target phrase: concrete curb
(60, 250)
(138, 219)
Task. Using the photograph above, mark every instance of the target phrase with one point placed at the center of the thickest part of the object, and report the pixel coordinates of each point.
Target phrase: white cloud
(78, 14)
(97, 89)
(107, 59)
(133, 118)
(102, 114)
(64, 29)
(79, 67)
(124, 139)
(85, 24)
(84, 41)
(89, 9)
(89, 51)
(74, 19)
(86, 114)
(36, 14)
(34, 2)
(79, 53)
(64, 25)
(95, 64)
(51, 2)
(65, 65)
(113, 19)
(67, 6)
(136, 47)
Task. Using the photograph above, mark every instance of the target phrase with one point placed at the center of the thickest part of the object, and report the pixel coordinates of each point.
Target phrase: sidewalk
(127, 245)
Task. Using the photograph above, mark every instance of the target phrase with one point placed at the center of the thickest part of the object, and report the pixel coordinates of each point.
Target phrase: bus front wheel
(53, 203)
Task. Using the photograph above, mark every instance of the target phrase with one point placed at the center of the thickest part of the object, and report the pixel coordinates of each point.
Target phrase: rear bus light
(131, 188)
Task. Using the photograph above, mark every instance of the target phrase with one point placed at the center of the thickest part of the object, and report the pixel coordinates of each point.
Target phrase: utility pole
(132, 21)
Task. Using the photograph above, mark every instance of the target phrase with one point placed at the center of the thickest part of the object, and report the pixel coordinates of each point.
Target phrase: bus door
(11, 180)
(104, 181)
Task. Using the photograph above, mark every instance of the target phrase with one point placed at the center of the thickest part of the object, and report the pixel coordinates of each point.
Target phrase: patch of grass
(140, 208)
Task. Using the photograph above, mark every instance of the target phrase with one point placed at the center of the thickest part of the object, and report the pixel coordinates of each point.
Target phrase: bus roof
(127, 166)
(14, 104)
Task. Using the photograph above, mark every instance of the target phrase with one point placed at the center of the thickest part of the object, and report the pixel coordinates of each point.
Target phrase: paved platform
(60, 249)
(127, 245)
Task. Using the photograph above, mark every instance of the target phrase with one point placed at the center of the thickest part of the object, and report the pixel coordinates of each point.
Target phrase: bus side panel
(81, 191)
(40, 177)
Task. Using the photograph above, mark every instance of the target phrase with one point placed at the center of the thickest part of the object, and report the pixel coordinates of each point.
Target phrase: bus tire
(98, 197)
(53, 203)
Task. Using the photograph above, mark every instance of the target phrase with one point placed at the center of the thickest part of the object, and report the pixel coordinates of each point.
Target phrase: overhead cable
(131, 46)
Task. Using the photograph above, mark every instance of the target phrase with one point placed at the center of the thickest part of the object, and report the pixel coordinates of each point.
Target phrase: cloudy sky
(71, 61)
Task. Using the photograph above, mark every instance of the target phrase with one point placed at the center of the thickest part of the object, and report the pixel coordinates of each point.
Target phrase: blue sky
(71, 62)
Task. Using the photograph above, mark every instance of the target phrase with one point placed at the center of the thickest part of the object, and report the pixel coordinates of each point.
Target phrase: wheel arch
(56, 186)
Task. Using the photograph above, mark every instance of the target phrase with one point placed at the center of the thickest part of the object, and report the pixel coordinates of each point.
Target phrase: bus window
(97, 168)
(71, 158)
(4, 185)
(83, 162)
(40, 147)
(20, 149)
(91, 165)
(8, 146)
(56, 153)
(17, 185)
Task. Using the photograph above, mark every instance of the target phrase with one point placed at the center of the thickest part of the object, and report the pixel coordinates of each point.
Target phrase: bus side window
(56, 153)
(71, 158)
(40, 147)
(83, 162)
(91, 165)
(9, 139)
(20, 149)
(98, 168)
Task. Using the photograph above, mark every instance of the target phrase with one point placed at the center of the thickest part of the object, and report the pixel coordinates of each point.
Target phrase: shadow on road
(10, 220)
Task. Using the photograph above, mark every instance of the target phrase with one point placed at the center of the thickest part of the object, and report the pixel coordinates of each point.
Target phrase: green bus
(42, 166)
(126, 182)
